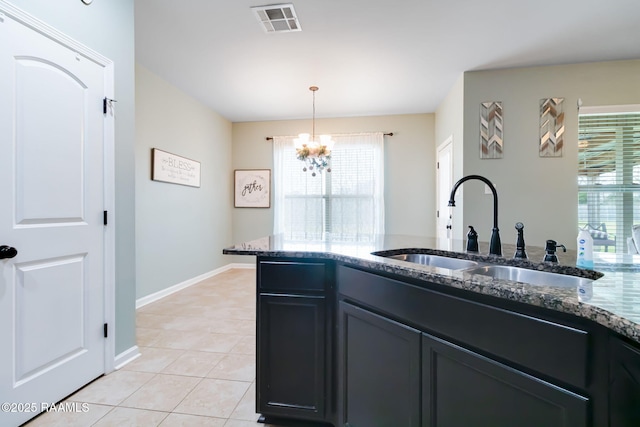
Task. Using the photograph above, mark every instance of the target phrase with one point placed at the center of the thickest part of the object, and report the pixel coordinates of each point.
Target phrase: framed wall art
(551, 127)
(252, 188)
(491, 142)
(168, 167)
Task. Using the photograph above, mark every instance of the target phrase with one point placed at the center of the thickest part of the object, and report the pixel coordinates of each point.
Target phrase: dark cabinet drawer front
(545, 347)
(291, 276)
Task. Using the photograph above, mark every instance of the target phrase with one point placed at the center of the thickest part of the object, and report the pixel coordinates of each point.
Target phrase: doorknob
(7, 252)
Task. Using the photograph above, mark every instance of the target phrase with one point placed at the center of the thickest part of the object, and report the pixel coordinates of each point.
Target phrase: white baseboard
(141, 302)
(247, 265)
(126, 356)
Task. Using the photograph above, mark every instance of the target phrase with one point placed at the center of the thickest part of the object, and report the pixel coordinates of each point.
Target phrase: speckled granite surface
(614, 301)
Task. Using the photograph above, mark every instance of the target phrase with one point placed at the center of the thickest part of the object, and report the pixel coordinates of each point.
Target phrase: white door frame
(447, 143)
(109, 162)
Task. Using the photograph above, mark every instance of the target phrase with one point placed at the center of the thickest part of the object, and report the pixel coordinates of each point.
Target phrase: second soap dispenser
(550, 251)
(472, 240)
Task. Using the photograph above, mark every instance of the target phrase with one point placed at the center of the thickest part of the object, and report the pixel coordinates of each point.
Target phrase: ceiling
(368, 57)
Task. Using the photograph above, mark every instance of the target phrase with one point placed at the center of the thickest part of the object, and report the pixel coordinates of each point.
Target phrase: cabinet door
(624, 389)
(463, 388)
(379, 370)
(291, 356)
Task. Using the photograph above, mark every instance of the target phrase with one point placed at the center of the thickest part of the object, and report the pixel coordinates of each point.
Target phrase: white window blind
(346, 203)
(609, 176)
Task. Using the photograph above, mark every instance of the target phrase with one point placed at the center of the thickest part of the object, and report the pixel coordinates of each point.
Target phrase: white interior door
(51, 198)
(444, 179)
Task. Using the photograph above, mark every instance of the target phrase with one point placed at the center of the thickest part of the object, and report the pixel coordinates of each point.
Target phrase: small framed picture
(252, 188)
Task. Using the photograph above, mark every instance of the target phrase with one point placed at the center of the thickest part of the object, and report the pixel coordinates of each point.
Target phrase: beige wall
(409, 168)
(540, 192)
(180, 230)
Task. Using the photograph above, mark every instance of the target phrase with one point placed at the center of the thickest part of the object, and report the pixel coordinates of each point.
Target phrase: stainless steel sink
(436, 261)
(532, 277)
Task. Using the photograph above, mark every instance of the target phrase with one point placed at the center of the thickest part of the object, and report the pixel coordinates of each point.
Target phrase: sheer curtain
(347, 203)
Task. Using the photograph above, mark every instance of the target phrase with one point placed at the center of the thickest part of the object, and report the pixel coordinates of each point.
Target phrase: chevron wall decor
(551, 127)
(491, 142)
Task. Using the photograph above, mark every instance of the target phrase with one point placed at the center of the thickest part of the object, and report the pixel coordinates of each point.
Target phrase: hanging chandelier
(314, 151)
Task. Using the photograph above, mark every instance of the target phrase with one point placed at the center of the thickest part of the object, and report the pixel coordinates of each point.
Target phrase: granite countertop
(614, 302)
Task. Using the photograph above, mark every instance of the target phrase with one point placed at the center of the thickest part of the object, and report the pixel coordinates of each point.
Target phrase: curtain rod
(270, 138)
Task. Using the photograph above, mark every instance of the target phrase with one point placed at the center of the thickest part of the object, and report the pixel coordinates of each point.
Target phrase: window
(609, 174)
(346, 203)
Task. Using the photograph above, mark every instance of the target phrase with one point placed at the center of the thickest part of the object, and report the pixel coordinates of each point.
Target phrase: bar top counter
(613, 301)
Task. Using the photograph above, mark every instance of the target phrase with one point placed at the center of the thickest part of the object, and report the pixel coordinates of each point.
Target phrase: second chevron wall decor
(551, 127)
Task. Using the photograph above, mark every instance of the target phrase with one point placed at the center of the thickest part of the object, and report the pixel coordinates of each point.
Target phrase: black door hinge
(104, 217)
(105, 104)
(105, 330)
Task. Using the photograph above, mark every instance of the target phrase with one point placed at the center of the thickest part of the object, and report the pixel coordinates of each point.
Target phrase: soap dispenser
(472, 240)
(585, 250)
(550, 251)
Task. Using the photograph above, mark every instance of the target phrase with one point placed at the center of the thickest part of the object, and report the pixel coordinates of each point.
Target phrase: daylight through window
(346, 203)
(609, 175)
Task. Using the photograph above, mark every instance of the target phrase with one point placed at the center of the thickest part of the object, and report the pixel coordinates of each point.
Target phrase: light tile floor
(197, 366)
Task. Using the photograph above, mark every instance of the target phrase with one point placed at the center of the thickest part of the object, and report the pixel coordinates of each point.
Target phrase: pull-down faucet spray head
(520, 251)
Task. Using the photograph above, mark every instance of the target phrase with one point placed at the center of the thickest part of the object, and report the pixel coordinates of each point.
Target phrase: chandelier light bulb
(301, 141)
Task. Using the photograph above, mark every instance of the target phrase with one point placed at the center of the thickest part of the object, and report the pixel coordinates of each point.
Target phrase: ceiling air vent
(277, 18)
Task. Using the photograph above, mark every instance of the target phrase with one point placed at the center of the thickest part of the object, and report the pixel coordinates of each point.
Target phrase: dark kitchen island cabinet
(293, 340)
(348, 346)
(391, 366)
(624, 393)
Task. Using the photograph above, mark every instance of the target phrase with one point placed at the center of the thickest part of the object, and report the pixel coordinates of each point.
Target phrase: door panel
(52, 170)
(379, 370)
(624, 385)
(463, 388)
(291, 356)
(41, 288)
(53, 98)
